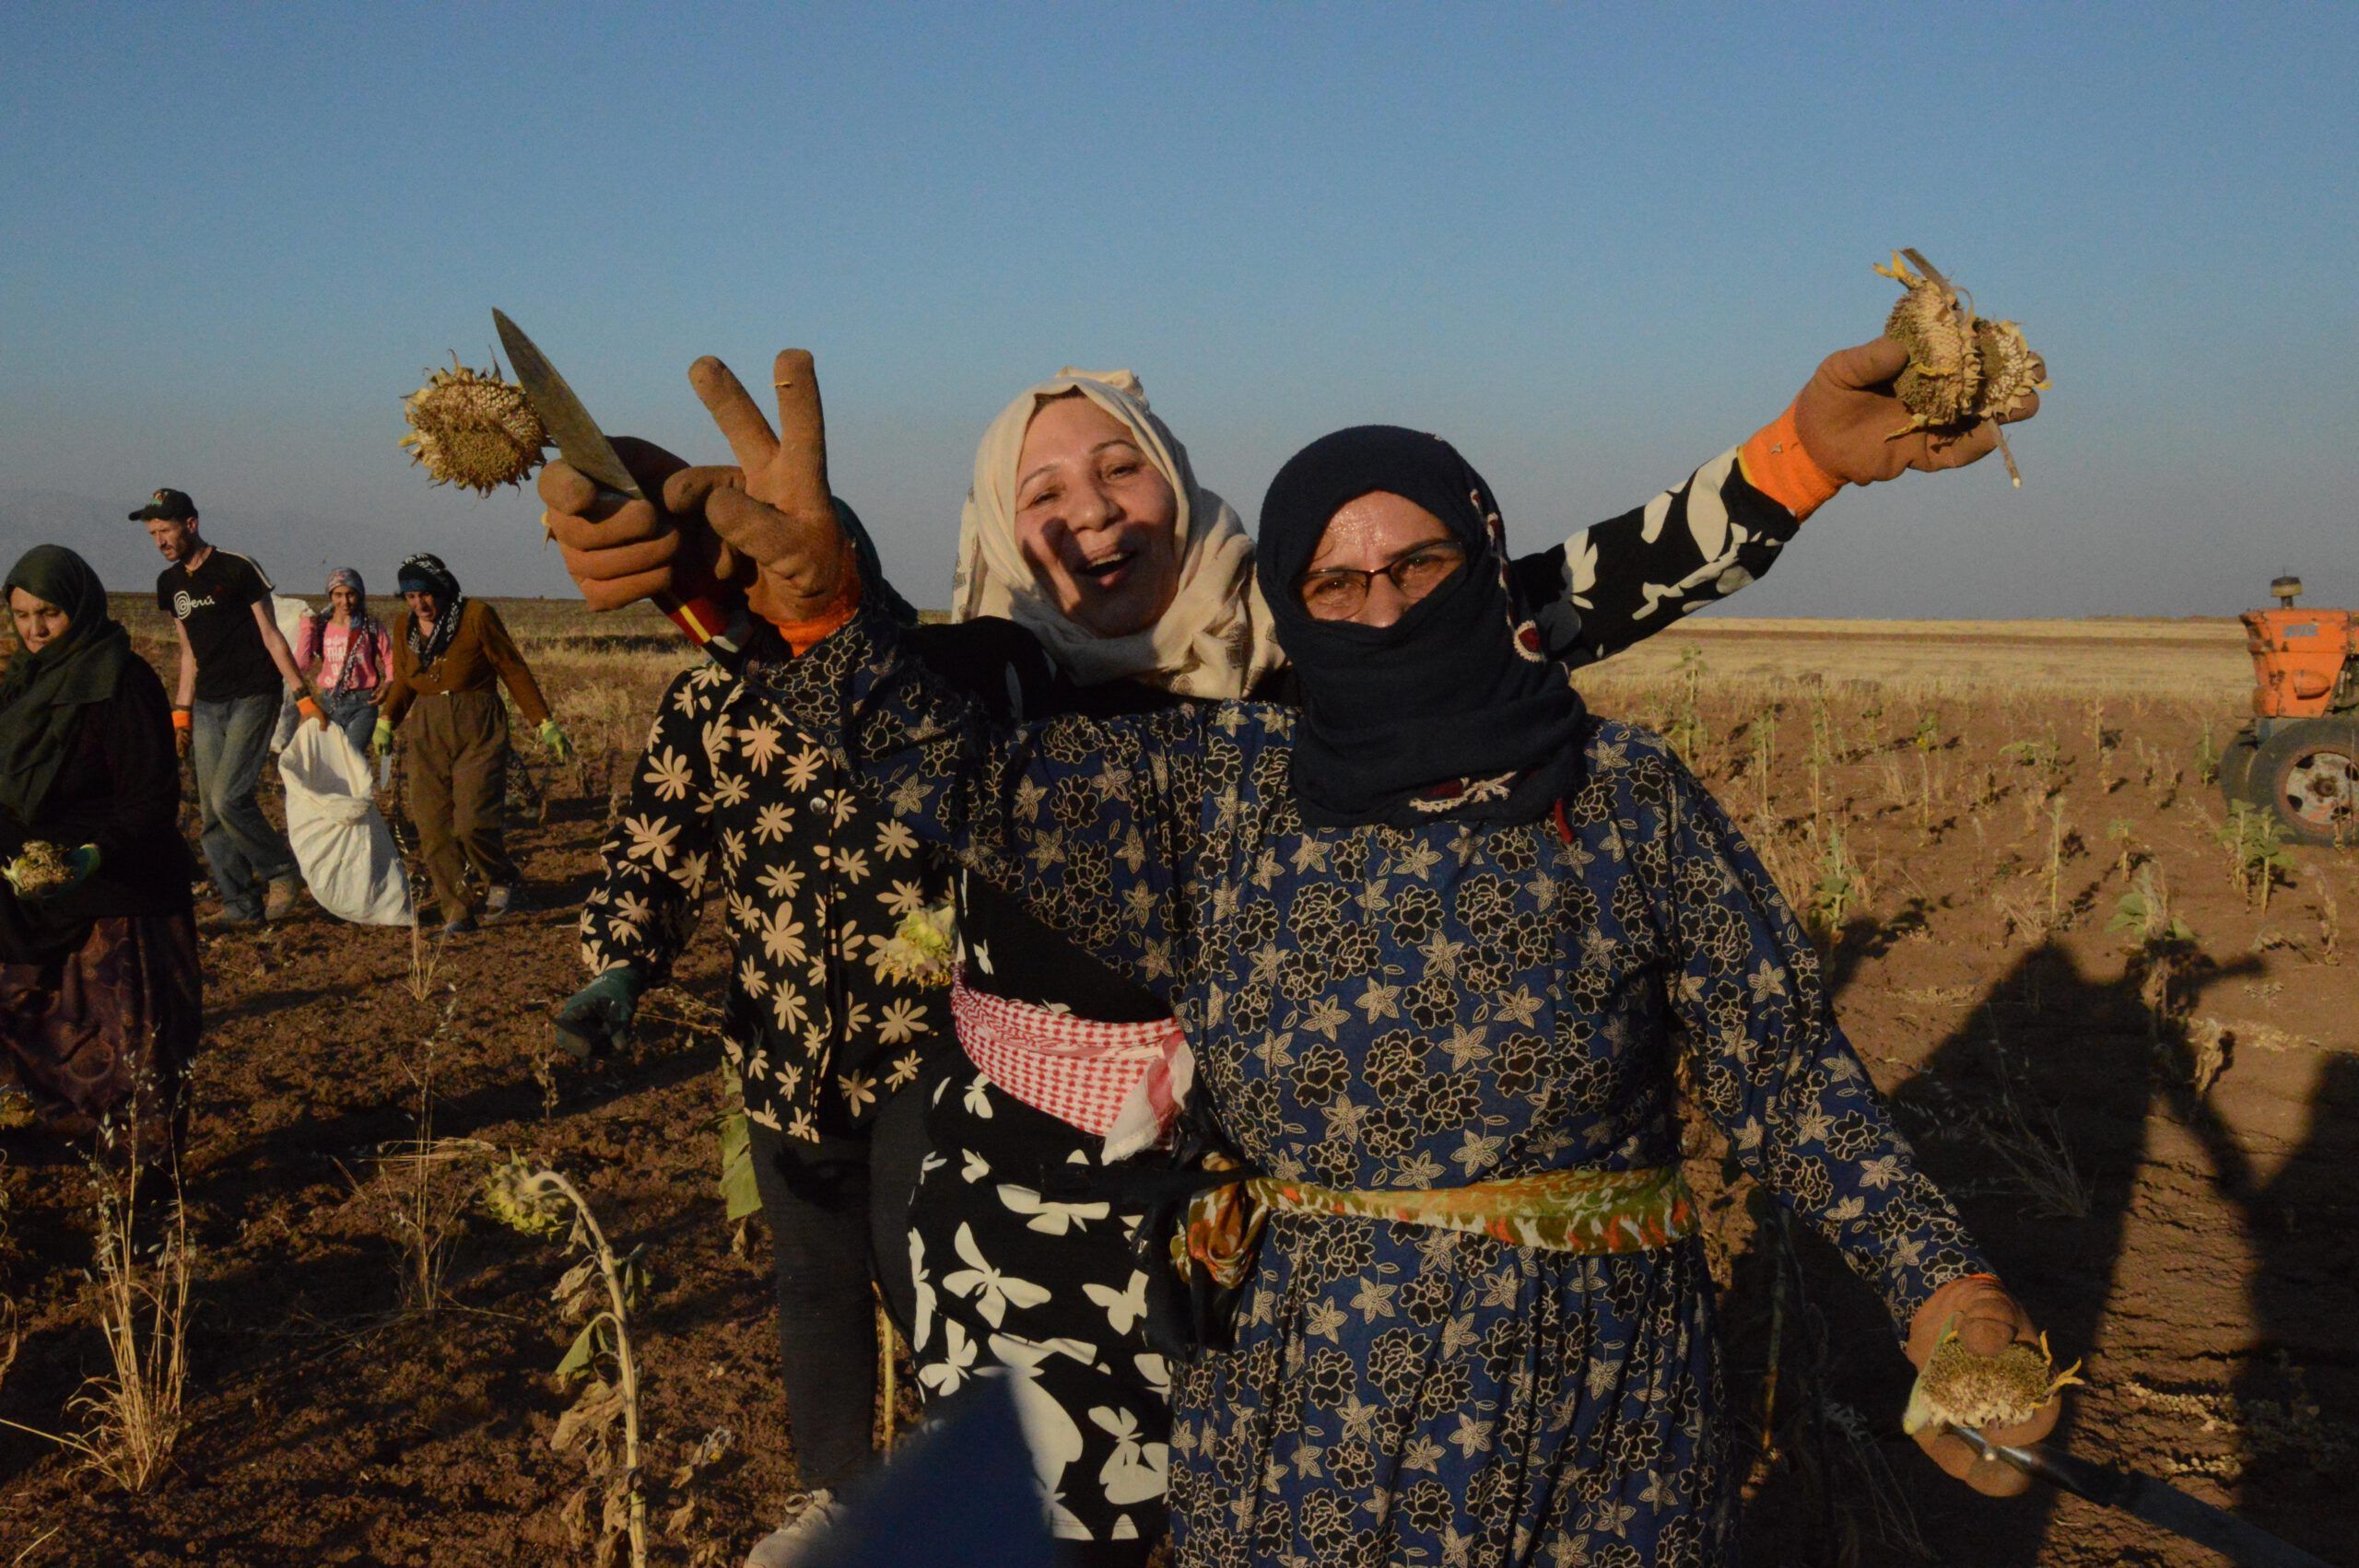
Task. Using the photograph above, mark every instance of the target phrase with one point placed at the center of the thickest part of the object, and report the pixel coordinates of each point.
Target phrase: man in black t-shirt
(233, 661)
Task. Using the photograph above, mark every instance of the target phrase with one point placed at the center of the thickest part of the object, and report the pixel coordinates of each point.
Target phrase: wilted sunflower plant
(599, 1292)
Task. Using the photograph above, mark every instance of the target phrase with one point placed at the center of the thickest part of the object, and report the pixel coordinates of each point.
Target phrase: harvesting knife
(700, 612)
(2144, 1497)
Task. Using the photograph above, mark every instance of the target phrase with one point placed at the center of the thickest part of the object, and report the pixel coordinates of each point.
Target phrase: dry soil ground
(2160, 1162)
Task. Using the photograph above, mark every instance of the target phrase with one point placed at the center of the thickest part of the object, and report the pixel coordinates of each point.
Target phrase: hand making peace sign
(783, 520)
(621, 550)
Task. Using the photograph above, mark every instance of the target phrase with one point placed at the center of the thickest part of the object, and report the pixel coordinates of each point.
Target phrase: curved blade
(578, 440)
(2155, 1501)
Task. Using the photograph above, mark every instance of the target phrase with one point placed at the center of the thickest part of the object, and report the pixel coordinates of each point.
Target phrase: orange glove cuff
(1775, 463)
(183, 718)
(804, 635)
(307, 707)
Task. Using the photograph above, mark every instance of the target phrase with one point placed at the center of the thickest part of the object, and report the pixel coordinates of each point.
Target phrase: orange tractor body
(2306, 662)
(2299, 760)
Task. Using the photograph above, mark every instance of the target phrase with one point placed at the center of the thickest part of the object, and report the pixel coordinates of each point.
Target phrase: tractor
(2298, 759)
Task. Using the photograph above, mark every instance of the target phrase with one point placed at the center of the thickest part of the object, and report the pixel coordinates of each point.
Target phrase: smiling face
(1097, 522)
(342, 602)
(38, 623)
(422, 605)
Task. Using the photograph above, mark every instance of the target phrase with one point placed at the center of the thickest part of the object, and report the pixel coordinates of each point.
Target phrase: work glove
(183, 732)
(553, 739)
(311, 710)
(80, 866)
(595, 1018)
(1987, 1320)
(1848, 413)
(619, 551)
(783, 520)
(380, 739)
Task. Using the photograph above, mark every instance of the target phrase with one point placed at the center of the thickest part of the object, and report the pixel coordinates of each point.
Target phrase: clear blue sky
(1592, 245)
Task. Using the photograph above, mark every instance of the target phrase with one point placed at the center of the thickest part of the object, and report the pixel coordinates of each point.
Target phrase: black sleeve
(143, 770)
(993, 662)
(164, 592)
(1623, 580)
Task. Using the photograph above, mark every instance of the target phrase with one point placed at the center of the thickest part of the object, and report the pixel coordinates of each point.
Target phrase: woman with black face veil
(1437, 939)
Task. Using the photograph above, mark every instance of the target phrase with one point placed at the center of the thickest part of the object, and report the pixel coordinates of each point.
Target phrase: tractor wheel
(2236, 770)
(2307, 775)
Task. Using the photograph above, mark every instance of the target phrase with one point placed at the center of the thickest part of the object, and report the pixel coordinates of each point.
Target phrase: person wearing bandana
(1086, 528)
(1441, 941)
(451, 655)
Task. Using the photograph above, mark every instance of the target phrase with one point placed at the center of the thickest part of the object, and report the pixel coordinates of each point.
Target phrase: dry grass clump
(473, 428)
(134, 1409)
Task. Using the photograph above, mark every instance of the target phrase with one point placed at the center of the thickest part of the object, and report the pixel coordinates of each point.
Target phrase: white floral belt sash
(1123, 1081)
(1592, 1213)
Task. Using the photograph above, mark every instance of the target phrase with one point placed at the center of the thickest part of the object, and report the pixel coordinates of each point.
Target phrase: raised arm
(1622, 581)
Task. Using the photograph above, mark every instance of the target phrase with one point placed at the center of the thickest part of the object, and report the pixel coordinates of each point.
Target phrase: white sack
(288, 613)
(346, 853)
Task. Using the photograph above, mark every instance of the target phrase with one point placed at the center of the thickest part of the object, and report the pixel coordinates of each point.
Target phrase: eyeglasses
(1336, 593)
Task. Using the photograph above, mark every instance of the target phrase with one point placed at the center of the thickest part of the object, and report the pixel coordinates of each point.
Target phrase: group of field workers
(1231, 988)
(100, 988)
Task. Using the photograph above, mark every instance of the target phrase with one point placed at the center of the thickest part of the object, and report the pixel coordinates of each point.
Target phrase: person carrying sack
(450, 654)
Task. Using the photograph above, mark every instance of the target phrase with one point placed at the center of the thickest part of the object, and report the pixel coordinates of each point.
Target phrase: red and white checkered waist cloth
(1123, 1081)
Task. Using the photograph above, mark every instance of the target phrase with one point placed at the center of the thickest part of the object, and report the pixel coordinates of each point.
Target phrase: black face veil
(1452, 712)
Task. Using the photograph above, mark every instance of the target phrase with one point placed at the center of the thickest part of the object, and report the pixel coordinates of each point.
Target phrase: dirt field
(2152, 1135)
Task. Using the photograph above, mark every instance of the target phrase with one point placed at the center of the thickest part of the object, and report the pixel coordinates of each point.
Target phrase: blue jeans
(355, 715)
(246, 854)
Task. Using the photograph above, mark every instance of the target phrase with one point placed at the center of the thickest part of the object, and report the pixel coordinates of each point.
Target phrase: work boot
(284, 891)
(499, 901)
(226, 920)
(793, 1542)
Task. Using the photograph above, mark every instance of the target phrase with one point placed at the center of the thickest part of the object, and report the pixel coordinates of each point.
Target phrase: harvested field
(2151, 1133)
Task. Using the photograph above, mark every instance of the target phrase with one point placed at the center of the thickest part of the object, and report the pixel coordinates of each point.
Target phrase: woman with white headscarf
(1086, 526)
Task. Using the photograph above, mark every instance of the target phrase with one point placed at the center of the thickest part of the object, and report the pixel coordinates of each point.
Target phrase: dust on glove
(1980, 1361)
(595, 1018)
(619, 550)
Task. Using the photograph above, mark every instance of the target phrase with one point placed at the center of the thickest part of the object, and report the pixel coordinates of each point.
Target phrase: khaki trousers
(458, 775)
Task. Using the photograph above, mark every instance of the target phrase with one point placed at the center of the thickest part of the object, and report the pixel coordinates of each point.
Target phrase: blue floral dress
(1377, 1007)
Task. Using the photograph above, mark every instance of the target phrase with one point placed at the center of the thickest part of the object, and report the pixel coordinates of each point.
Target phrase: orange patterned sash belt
(1593, 1213)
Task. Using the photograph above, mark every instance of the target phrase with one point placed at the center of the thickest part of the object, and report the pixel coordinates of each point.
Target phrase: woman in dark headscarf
(1438, 939)
(99, 980)
(451, 655)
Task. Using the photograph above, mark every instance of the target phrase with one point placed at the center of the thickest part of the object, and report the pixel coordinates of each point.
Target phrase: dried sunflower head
(1957, 1387)
(517, 1199)
(38, 868)
(1962, 369)
(473, 429)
